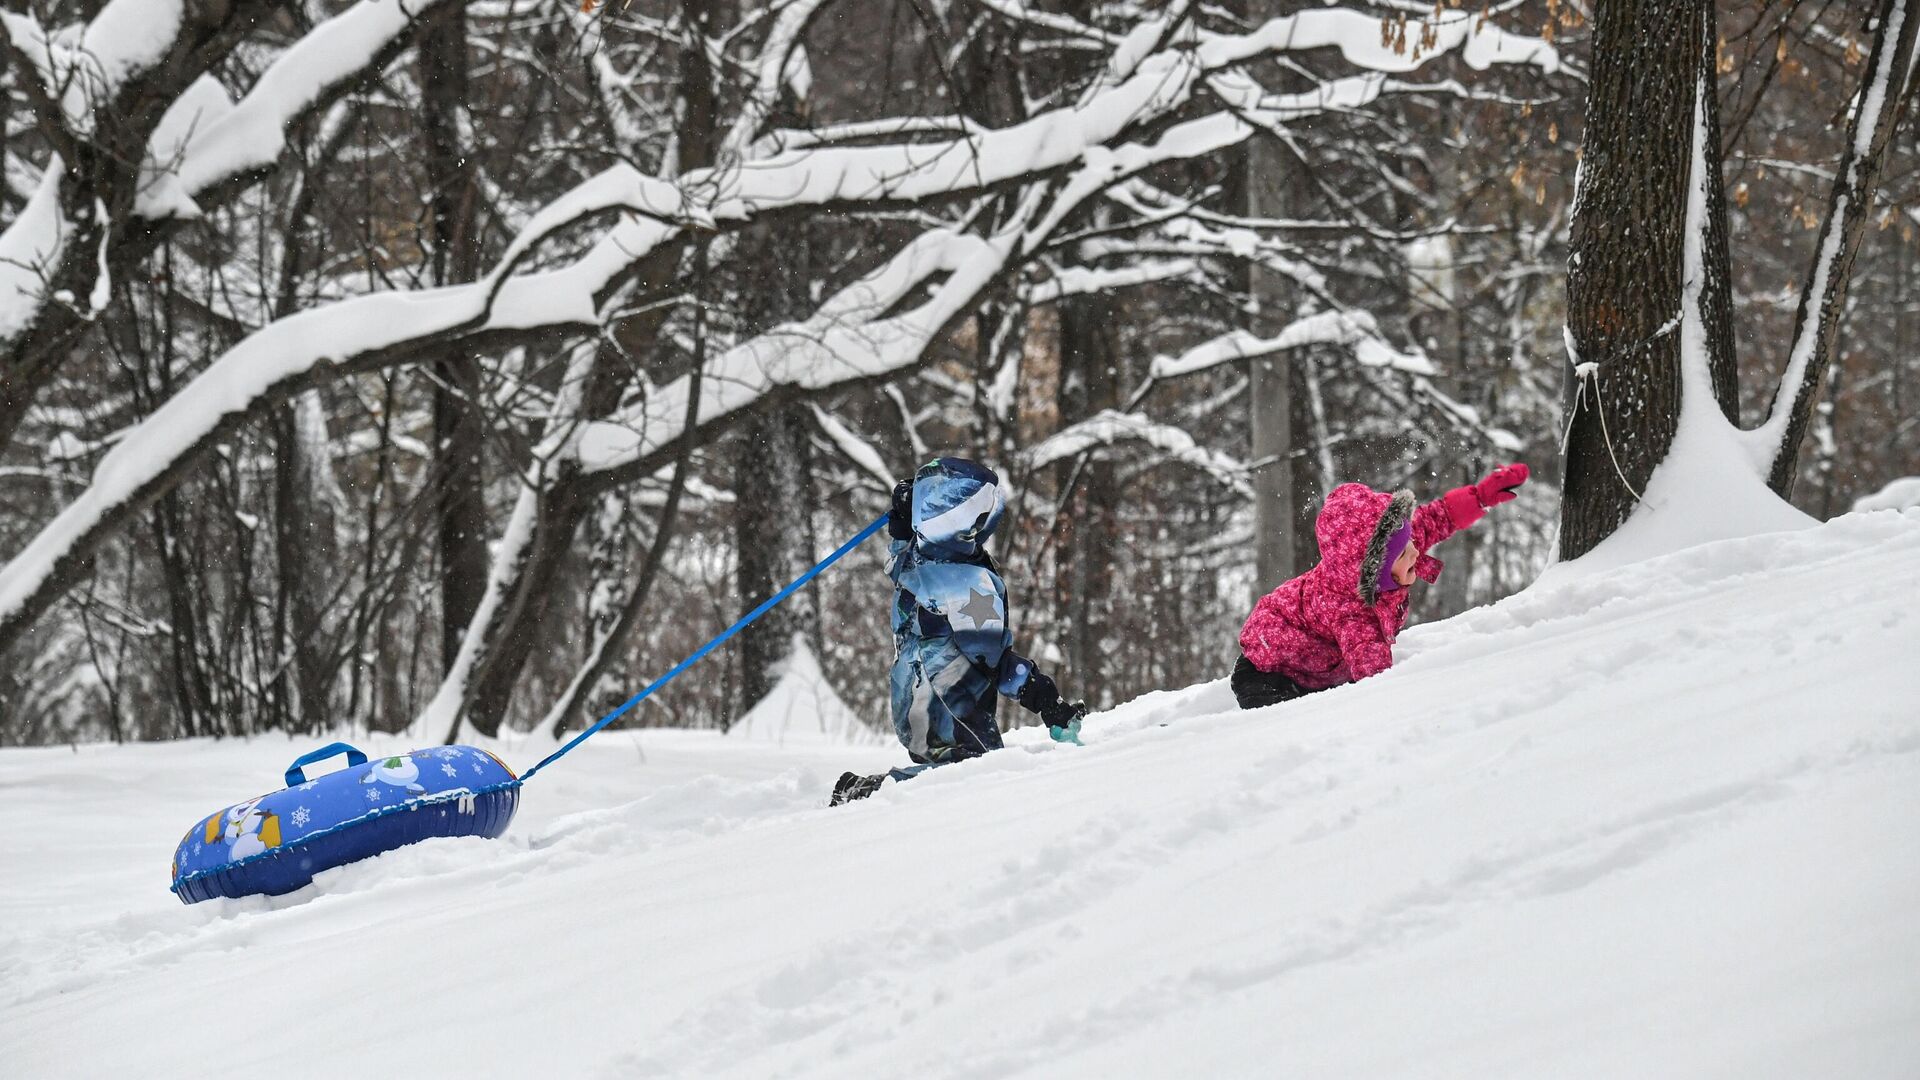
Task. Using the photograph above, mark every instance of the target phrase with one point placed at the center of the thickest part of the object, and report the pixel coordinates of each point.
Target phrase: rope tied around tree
(1585, 370)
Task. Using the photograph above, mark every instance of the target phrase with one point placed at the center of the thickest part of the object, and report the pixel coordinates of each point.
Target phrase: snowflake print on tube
(274, 844)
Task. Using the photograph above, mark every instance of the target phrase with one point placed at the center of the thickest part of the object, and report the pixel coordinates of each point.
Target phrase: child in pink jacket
(1336, 623)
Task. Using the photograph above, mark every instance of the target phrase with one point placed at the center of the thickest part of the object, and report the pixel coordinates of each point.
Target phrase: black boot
(854, 786)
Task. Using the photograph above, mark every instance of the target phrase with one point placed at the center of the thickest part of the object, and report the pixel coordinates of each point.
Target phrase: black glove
(900, 514)
(1040, 695)
(1065, 714)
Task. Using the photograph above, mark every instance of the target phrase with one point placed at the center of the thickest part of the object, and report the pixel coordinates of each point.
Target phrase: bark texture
(1624, 278)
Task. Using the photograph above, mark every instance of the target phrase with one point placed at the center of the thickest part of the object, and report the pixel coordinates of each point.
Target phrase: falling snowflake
(373, 794)
(477, 770)
(449, 751)
(449, 770)
(300, 816)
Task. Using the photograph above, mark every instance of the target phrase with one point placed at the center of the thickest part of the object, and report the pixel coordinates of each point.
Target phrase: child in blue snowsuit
(953, 651)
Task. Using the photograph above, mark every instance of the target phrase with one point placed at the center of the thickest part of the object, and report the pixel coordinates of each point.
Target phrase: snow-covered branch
(286, 356)
(1356, 330)
(84, 69)
(1111, 428)
(1082, 280)
(207, 141)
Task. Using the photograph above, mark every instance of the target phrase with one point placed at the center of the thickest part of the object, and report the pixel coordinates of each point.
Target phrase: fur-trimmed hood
(1353, 528)
(1332, 624)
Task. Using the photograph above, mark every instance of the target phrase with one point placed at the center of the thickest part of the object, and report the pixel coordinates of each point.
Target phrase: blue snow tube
(276, 843)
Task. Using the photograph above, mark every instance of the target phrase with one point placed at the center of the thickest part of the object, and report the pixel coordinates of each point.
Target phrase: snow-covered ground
(1657, 821)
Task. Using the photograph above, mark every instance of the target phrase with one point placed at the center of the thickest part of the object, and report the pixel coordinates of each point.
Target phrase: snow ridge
(1675, 805)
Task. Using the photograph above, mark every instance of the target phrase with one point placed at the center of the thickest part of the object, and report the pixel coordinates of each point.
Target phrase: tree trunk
(1089, 382)
(774, 538)
(774, 500)
(1268, 188)
(1873, 119)
(774, 543)
(192, 694)
(606, 640)
(1624, 279)
(458, 424)
(1270, 391)
(304, 529)
(521, 620)
(305, 552)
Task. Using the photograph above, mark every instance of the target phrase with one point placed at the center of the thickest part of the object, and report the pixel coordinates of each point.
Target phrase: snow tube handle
(296, 774)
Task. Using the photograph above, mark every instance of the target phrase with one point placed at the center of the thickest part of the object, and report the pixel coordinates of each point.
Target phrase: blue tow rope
(683, 665)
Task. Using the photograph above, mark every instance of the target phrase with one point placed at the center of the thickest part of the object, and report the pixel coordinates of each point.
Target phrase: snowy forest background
(461, 366)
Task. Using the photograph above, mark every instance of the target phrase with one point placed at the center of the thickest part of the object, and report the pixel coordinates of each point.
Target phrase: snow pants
(943, 704)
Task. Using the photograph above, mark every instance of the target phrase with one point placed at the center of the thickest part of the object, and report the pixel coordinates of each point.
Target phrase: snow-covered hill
(1655, 822)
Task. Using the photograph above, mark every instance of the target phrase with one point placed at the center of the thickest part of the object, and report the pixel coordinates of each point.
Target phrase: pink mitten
(1499, 484)
(1466, 505)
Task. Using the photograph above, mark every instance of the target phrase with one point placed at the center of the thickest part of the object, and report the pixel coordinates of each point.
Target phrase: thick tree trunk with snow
(1624, 279)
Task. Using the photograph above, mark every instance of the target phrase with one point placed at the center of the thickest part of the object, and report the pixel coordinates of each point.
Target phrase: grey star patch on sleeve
(981, 609)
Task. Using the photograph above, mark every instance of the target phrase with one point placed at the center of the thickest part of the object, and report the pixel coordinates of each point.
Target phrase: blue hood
(956, 506)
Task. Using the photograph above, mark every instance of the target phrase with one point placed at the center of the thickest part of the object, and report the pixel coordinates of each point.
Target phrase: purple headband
(1396, 544)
